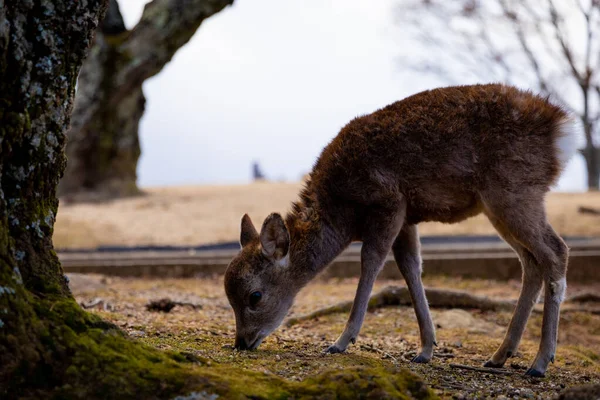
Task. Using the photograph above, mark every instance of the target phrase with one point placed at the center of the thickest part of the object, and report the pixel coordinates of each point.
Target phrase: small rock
(136, 333)
(106, 280)
(515, 365)
(462, 319)
(277, 357)
(98, 304)
(527, 393)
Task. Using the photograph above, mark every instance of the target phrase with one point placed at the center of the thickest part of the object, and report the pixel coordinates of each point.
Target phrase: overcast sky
(273, 81)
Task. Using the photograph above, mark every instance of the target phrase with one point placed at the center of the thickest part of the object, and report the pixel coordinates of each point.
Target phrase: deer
(443, 155)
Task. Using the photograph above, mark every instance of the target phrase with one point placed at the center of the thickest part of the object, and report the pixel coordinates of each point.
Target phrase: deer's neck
(315, 241)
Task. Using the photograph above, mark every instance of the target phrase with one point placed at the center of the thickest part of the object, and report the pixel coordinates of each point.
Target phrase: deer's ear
(248, 231)
(274, 237)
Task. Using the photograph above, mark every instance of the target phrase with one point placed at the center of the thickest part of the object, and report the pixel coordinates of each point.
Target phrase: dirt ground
(193, 215)
(389, 335)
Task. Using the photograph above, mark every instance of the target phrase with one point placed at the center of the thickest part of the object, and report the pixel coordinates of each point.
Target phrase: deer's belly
(446, 207)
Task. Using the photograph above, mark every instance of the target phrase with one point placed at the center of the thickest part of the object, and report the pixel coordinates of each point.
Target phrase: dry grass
(195, 215)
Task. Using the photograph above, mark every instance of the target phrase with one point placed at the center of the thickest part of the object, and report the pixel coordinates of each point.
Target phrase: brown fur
(441, 149)
(441, 155)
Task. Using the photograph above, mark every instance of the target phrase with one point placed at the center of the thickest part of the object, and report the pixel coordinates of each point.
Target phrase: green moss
(116, 40)
(356, 382)
(78, 355)
(587, 356)
(339, 376)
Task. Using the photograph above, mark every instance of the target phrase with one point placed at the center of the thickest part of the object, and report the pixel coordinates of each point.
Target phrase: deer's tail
(566, 139)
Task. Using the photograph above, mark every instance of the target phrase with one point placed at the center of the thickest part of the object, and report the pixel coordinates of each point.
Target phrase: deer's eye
(255, 298)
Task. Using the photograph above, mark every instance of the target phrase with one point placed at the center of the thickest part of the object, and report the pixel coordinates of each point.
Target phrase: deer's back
(440, 149)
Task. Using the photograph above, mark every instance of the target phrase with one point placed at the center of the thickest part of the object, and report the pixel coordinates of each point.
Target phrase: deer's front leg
(382, 228)
(371, 265)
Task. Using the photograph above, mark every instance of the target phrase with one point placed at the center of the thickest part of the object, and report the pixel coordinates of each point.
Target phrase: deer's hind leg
(407, 252)
(532, 280)
(543, 254)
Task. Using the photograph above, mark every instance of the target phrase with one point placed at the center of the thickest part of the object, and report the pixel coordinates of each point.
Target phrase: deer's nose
(240, 343)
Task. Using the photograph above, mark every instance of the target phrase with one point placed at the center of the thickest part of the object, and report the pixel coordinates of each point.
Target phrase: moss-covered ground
(73, 354)
(388, 340)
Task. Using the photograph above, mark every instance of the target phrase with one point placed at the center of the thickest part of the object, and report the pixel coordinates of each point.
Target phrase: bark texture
(103, 147)
(42, 45)
(40, 56)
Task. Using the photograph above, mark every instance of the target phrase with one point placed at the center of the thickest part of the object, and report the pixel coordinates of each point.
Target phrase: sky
(274, 81)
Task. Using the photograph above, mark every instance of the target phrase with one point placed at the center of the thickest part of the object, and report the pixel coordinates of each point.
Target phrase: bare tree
(552, 47)
(103, 146)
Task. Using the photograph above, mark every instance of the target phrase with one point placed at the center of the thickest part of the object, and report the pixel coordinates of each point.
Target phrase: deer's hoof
(420, 359)
(534, 373)
(334, 349)
(491, 364)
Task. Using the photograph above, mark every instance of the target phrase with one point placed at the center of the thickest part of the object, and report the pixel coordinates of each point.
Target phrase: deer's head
(258, 283)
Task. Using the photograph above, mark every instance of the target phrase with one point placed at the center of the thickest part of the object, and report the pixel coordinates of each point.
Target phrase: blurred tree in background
(103, 145)
(549, 45)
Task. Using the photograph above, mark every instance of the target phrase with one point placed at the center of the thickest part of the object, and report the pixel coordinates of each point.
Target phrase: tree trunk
(103, 146)
(40, 55)
(591, 154)
(592, 164)
(42, 45)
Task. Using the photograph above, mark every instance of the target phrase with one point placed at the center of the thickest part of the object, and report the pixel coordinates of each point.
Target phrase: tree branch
(520, 33)
(478, 53)
(113, 23)
(165, 26)
(563, 43)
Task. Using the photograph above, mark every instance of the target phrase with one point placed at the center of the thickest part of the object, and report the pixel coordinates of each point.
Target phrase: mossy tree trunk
(103, 146)
(42, 46)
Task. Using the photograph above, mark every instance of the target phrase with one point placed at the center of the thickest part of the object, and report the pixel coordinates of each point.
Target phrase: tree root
(399, 296)
(437, 298)
(589, 210)
(585, 297)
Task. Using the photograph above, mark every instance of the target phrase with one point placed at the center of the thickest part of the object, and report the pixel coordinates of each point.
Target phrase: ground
(389, 336)
(195, 215)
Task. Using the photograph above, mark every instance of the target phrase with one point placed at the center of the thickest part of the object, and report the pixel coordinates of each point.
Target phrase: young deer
(440, 155)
